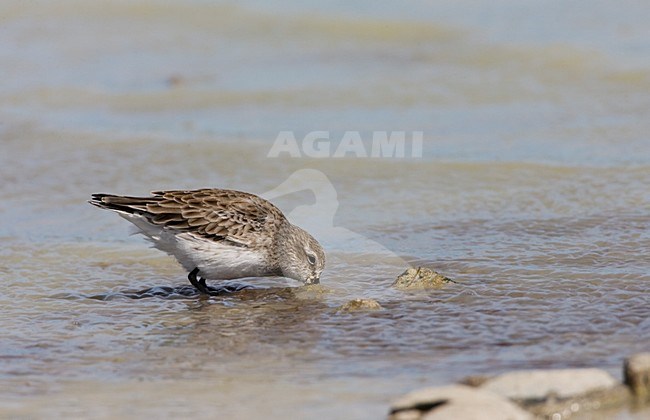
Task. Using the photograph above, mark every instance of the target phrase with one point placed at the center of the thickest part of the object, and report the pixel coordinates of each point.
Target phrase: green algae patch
(421, 278)
(358, 305)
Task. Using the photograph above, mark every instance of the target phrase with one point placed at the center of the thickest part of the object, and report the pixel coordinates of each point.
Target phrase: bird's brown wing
(241, 218)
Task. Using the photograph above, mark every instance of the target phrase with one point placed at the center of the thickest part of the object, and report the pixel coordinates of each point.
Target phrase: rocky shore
(543, 394)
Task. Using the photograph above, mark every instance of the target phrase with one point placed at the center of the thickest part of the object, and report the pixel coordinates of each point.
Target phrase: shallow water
(532, 193)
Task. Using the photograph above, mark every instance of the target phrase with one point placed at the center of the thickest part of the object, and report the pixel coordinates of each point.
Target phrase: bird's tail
(123, 204)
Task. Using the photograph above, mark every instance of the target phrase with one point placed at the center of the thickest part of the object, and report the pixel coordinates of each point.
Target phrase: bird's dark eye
(311, 259)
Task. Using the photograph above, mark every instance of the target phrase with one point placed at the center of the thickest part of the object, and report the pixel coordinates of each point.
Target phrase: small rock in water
(360, 305)
(637, 375)
(420, 278)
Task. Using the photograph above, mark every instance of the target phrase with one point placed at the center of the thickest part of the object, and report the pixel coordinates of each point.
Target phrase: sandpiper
(219, 234)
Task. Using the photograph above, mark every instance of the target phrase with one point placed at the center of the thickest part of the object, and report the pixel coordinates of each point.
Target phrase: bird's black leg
(198, 283)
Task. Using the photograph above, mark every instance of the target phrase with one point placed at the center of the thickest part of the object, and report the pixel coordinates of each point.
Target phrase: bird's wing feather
(229, 215)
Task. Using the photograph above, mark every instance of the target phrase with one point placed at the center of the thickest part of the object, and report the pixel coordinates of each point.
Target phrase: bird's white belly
(215, 260)
(219, 261)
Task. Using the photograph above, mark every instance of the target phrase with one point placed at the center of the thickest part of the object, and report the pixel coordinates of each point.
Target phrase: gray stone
(420, 278)
(541, 384)
(455, 402)
(411, 414)
(360, 305)
(636, 371)
(588, 405)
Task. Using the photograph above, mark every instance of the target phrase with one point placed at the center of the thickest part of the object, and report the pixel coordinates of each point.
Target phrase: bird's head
(301, 256)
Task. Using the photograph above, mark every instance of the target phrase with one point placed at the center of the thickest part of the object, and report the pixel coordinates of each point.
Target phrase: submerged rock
(360, 305)
(636, 371)
(420, 278)
(455, 402)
